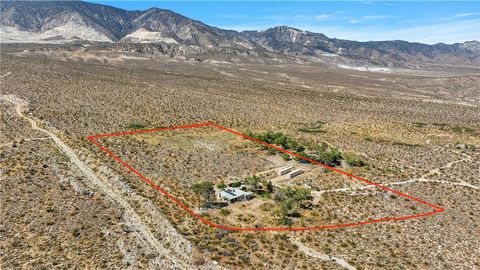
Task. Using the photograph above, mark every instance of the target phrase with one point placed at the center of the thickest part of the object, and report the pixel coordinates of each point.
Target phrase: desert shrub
(205, 189)
(268, 186)
(458, 129)
(76, 232)
(266, 207)
(353, 160)
(313, 128)
(254, 182)
(419, 124)
(468, 130)
(406, 144)
(136, 126)
(225, 212)
(236, 184)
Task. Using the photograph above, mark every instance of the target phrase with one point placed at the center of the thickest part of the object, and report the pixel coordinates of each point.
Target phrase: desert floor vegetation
(417, 133)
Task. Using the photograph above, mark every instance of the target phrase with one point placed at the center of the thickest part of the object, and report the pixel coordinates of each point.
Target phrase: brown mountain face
(291, 41)
(76, 21)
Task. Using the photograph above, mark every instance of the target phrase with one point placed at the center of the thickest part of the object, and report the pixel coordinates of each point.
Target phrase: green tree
(328, 156)
(281, 140)
(354, 160)
(236, 184)
(204, 189)
(295, 146)
(280, 214)
(253, 181)
(269, 186)
(289, 199)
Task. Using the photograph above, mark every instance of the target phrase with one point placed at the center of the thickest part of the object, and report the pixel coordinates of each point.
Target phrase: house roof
(233, 193)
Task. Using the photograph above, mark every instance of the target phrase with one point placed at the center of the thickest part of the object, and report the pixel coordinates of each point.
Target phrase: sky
(426, 22)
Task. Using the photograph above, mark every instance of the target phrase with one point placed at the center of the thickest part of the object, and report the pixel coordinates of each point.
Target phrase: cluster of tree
(323, 153)
(259, 185)
(290, 200)
(206, 190)
(327, 155)
(277, 138)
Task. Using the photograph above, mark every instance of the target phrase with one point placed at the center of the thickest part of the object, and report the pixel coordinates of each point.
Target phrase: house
(285, 170)
(232, 195)
(295, 173)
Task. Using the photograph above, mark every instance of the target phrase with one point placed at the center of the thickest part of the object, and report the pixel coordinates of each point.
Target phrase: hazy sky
(426, 22)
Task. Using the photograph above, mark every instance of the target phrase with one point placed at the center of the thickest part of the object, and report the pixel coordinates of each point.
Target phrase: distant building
(232, 195)
(295, 173)
(285, 170)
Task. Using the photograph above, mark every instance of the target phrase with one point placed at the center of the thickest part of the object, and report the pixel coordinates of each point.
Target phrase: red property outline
(93, 139)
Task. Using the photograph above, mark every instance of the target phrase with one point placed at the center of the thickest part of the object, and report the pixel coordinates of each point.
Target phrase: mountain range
(168, 32)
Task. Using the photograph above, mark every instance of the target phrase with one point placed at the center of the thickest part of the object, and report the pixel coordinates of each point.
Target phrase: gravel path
(322, 256)
(463, 184)
(423, 179)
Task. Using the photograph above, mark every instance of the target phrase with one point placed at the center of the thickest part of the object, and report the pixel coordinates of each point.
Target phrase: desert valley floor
(68, 205)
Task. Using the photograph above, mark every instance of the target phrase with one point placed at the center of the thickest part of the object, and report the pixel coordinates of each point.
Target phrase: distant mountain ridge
(77, 21)
(291, 41)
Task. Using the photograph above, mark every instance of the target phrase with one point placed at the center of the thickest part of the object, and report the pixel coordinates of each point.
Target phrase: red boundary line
(93, 139)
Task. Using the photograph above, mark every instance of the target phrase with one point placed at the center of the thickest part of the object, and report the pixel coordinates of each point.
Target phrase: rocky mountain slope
(291, 41)
(76, 21)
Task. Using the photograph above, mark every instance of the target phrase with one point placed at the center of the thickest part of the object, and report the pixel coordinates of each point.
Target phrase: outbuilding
(295, 173)
(285, 170)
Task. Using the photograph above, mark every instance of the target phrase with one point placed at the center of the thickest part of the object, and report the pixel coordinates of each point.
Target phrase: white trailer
(295, 173)
(285, 170)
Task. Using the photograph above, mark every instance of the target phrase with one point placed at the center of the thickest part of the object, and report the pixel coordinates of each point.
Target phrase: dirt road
(322, 256)
(130, 216)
